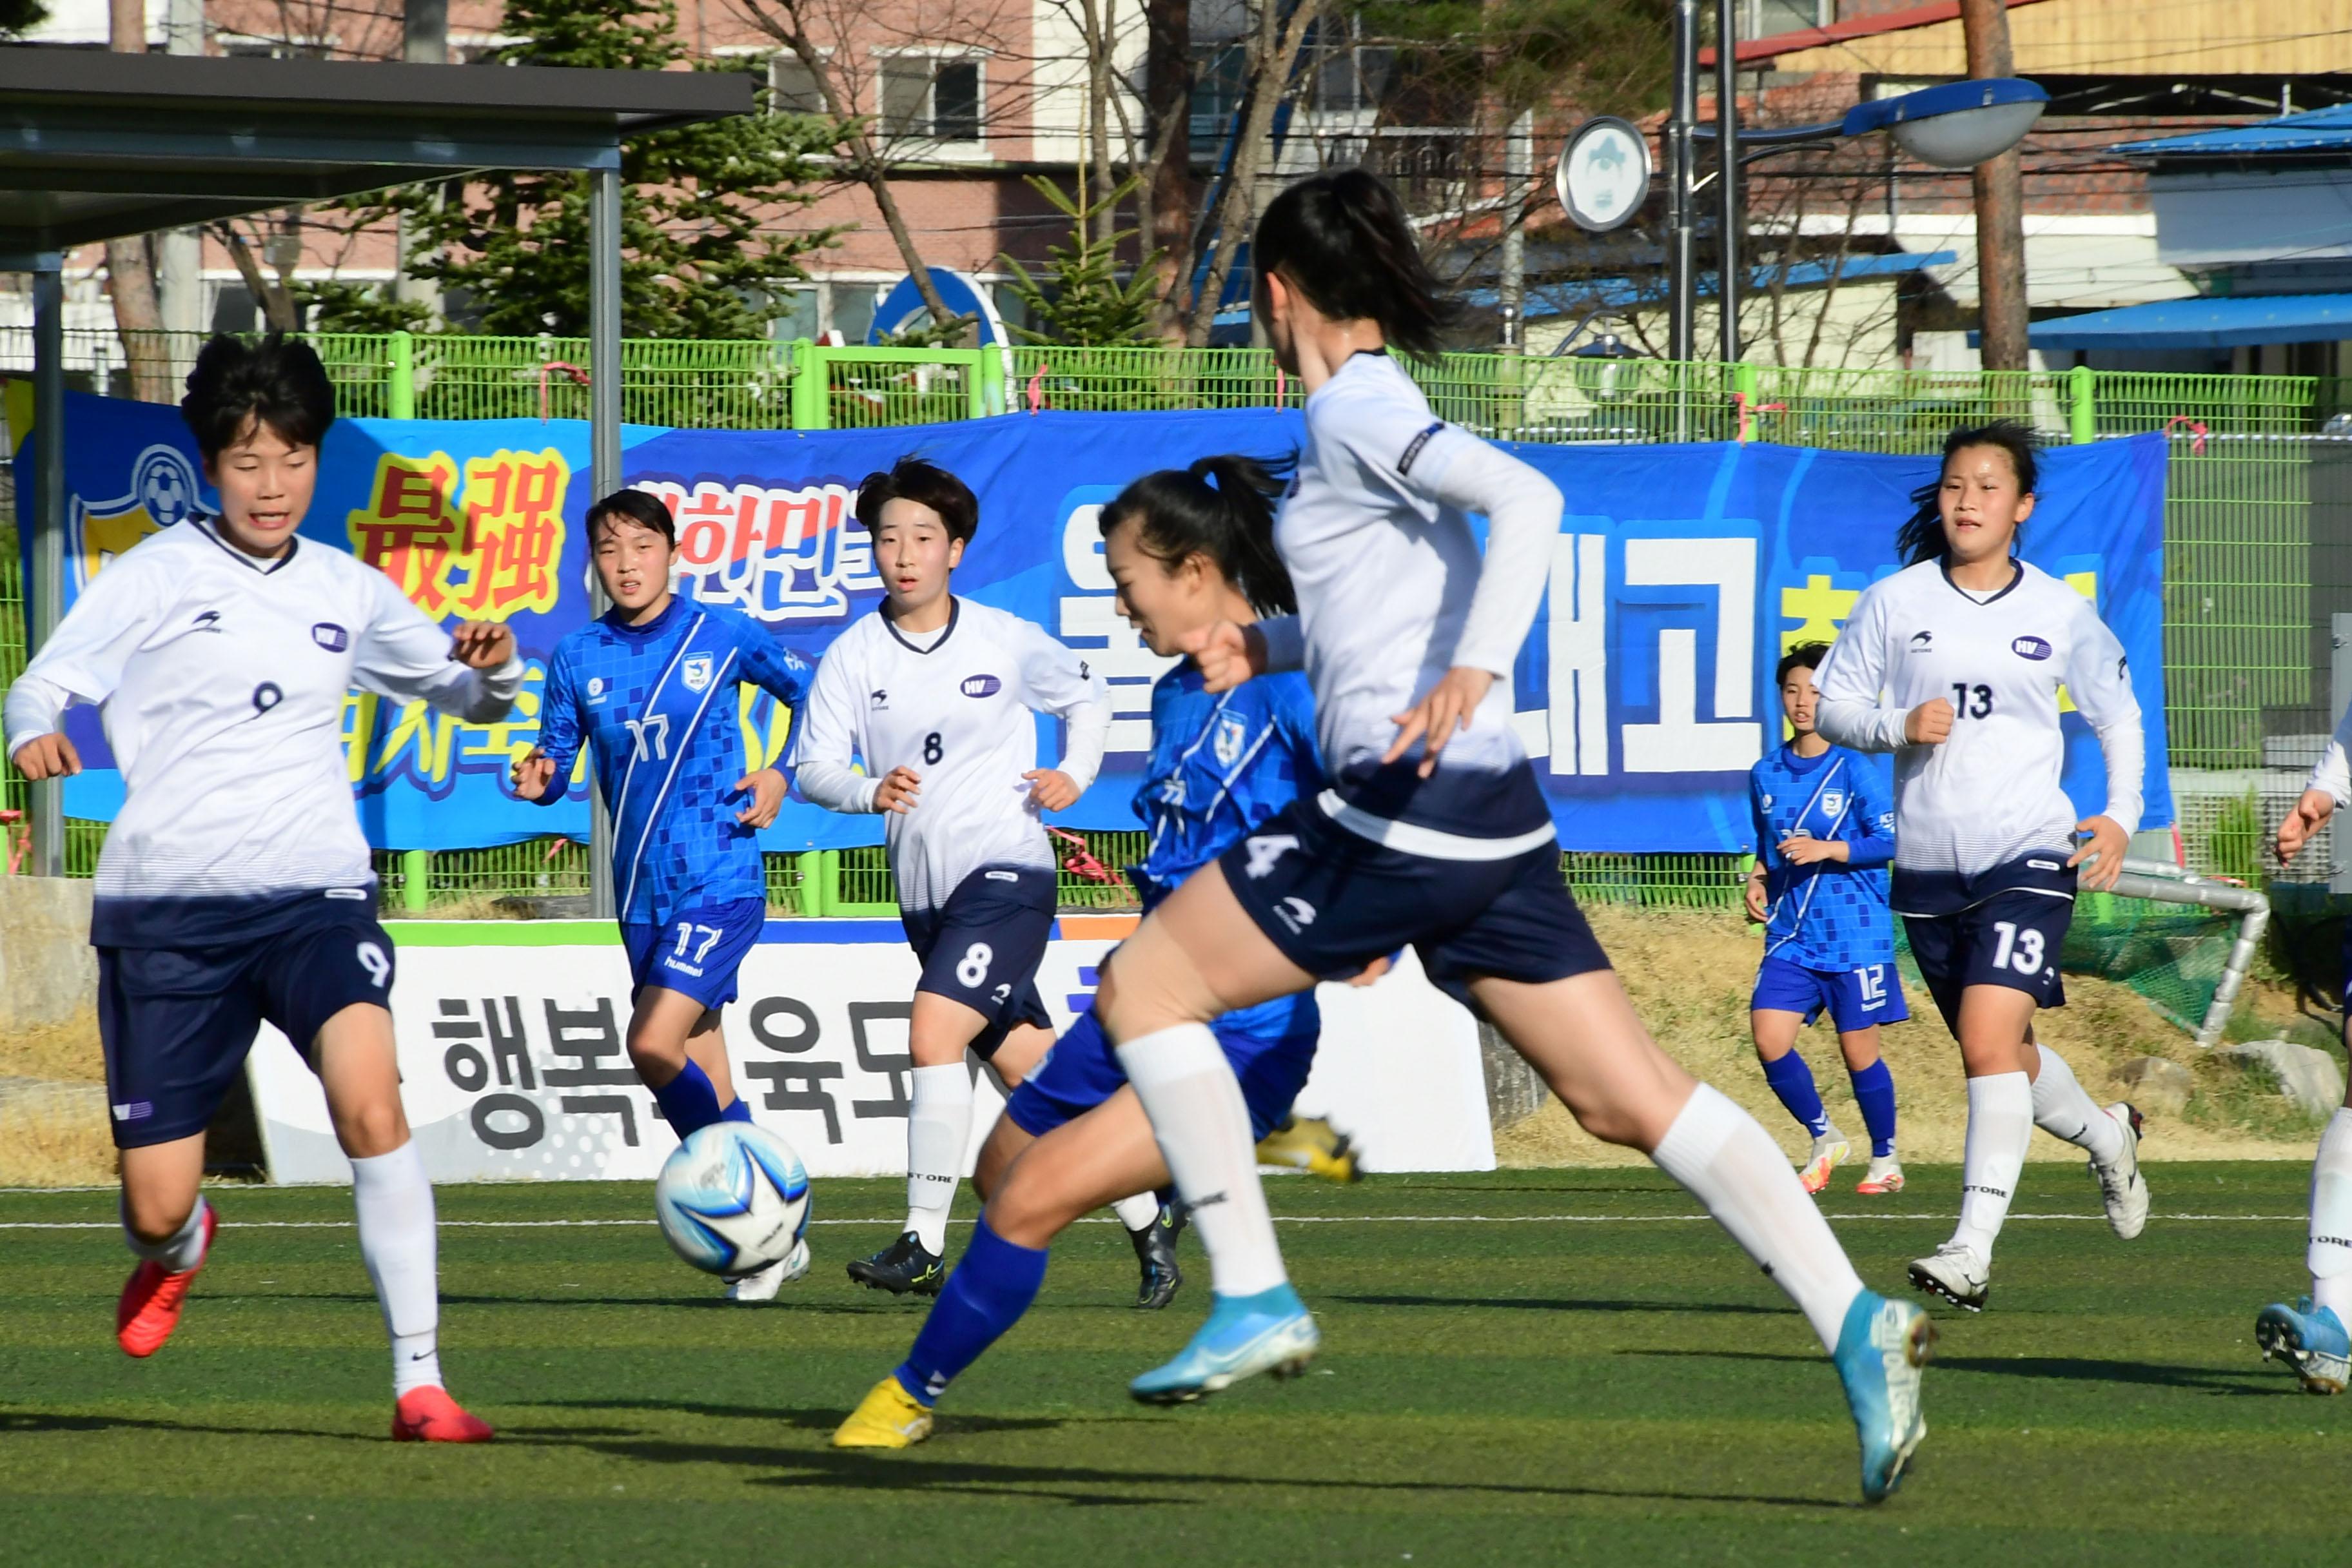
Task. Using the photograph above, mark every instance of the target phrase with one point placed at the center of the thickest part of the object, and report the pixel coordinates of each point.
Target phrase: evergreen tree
(1081, 300)
(703, 252)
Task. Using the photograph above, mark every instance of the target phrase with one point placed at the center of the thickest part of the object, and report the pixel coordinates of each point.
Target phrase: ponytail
(1921, 537)
(1341, 238)
(1221, 508)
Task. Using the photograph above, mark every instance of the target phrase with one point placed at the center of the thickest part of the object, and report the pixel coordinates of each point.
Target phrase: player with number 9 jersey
(937, 694)
(650, 690)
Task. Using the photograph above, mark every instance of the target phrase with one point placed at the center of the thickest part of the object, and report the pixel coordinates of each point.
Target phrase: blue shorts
(696, 951)
(177, 1022)
(1853, 998)
(1082, 1071)
(1333, 900)
(982, 947)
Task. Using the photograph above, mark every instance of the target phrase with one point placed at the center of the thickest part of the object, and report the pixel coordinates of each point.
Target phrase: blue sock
(1792, 1081)
(737, 1109)
(993, 1285)
(688, 1101)
(1874, 1091)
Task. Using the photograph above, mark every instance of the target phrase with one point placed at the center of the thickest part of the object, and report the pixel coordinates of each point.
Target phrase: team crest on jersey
(1230, 737)
(595, 689)
(330, 637)
(981, 686)
(2030, 647)
(1832, 801)
(695, 671)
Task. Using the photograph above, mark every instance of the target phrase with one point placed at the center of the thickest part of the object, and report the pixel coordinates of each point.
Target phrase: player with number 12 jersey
(936, 693)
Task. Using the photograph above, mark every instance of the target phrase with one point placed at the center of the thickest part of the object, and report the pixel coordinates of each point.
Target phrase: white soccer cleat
(1957, 1274)
(763, 1285)
(2124, 1190)
(1829, 1151)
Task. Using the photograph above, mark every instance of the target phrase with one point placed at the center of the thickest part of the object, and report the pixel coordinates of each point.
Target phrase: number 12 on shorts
(2019, 952)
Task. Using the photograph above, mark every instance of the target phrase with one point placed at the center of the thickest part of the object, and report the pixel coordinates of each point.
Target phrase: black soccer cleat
(1155, 1251)
(905, 1265)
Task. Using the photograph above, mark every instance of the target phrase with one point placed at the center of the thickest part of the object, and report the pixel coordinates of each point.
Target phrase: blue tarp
(2206, 324)
(2320, 131)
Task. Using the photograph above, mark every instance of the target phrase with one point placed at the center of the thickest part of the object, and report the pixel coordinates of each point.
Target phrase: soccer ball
(732, 1199)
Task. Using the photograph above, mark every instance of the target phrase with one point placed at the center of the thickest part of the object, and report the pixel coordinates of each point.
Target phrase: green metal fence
(2245, 509)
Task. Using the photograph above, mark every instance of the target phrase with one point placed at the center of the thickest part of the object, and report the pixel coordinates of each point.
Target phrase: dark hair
(1804, 656)
(1222, 508)
(646, 510)
(1341, 238)
(926, 484)
(275, 382)
(1922, 537)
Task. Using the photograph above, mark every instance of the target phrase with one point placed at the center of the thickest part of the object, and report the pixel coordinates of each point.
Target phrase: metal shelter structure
(97, 145)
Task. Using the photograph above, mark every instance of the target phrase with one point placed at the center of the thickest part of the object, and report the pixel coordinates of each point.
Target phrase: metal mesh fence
(2258, 529)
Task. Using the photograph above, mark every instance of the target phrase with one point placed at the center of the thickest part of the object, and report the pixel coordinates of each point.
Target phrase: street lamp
(1953, 125)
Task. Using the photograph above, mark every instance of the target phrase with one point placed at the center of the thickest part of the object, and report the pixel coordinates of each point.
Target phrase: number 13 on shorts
(2018, 951)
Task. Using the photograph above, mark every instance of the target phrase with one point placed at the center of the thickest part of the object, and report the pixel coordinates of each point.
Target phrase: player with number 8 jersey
(1957, 665)
(936, 694)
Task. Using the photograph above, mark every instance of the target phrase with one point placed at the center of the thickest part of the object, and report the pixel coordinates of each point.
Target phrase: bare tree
(1168, 163)
(1273, 52)
(129, 265)
(273, 298)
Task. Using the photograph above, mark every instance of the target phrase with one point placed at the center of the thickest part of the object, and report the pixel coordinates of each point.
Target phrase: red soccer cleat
(153, 1297)
(429, 1415)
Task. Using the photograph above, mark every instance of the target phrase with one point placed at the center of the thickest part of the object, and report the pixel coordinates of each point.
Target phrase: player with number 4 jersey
(937, 694)
(650, 689)
(1973, 649)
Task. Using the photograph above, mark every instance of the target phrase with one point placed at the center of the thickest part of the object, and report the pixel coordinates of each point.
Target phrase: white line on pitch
(1279, 1219)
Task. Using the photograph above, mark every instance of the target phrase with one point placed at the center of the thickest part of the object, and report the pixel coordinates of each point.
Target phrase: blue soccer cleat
(1881, 1348)
(1270, 1331)
(2309, 1339)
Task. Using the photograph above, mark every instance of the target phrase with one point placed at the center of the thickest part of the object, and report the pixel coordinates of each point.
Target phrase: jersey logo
(1921, 641)
(1412, 448)
(1227, 743)
(981, 686)
(207, 621)
(330, 637)
(878, 699)
(695, 671)
(1294, 912)
(2030, 647)
(1832, 801)
(595, 689)
(1003, 876)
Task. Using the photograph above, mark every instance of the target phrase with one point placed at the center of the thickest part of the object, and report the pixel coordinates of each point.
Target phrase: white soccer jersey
(1990, 793)
(954, 707)
(2333, 772)
(221, 680)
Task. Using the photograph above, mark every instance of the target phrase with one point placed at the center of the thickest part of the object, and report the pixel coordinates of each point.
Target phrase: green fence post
(415, 874)
(1743, 387)
(2082, 411)
(809, 390)
(400, 395)
(992, 380)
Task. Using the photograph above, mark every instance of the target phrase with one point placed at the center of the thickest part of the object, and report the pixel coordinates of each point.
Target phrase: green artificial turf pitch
(1517, 1367)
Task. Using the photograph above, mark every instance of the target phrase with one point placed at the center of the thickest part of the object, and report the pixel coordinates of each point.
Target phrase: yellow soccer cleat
(888, 1418)
(1829, 1152)
(1311, 1145)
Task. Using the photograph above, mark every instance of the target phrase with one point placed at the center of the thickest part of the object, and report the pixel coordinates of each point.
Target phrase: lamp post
(1954, 125)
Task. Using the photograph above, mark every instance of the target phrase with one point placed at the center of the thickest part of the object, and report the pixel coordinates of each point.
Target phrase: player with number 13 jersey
(936, 693)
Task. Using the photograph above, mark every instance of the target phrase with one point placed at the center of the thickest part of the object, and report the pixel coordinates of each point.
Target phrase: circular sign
(1604, 175)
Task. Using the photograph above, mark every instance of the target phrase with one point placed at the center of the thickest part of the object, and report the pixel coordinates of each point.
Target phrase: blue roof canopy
(2320, 131)
(2203, 323)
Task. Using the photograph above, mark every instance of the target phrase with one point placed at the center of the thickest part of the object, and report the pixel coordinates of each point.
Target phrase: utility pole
(424, 41)
(1518, 174)
(1682, 173)
(1999, 187)
(180, 252)
(1730, 223)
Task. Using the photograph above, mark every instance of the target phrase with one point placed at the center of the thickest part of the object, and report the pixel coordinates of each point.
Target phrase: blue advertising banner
(1645, 690)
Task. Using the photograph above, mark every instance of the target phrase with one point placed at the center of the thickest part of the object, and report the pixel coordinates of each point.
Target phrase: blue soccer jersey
(658, 706)
(1830, 915)
(1222, 764)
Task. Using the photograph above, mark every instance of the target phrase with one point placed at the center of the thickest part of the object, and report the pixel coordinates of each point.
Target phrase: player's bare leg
(168, 1225)
(360, 1071)
(670, 1032)
(1774, 1031)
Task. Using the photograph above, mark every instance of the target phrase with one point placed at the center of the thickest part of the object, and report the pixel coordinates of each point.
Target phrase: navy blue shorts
(696, 951)
(1853, 998)
(982, 947)
(1333, 900)
(1082, 1071)
(176, 1022)
(2011, 939)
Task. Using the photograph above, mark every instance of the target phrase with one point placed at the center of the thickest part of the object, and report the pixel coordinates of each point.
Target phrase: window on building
(926, 96)
(1219, 71)
(792, 87)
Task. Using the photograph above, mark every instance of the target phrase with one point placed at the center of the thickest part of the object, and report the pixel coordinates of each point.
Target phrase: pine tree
(1082, 301)
(704, 254)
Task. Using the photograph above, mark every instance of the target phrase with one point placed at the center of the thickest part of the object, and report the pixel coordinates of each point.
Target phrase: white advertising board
(512, 1066)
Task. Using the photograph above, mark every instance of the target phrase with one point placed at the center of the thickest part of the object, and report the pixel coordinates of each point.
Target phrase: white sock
(1140, 1212)
(178, 1252)
(1731, 1164)
(939, 1130)
(1203, 1127)
(2330, 1255)
(395, 1202)
(2063, 1109)
(2001, 1126)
